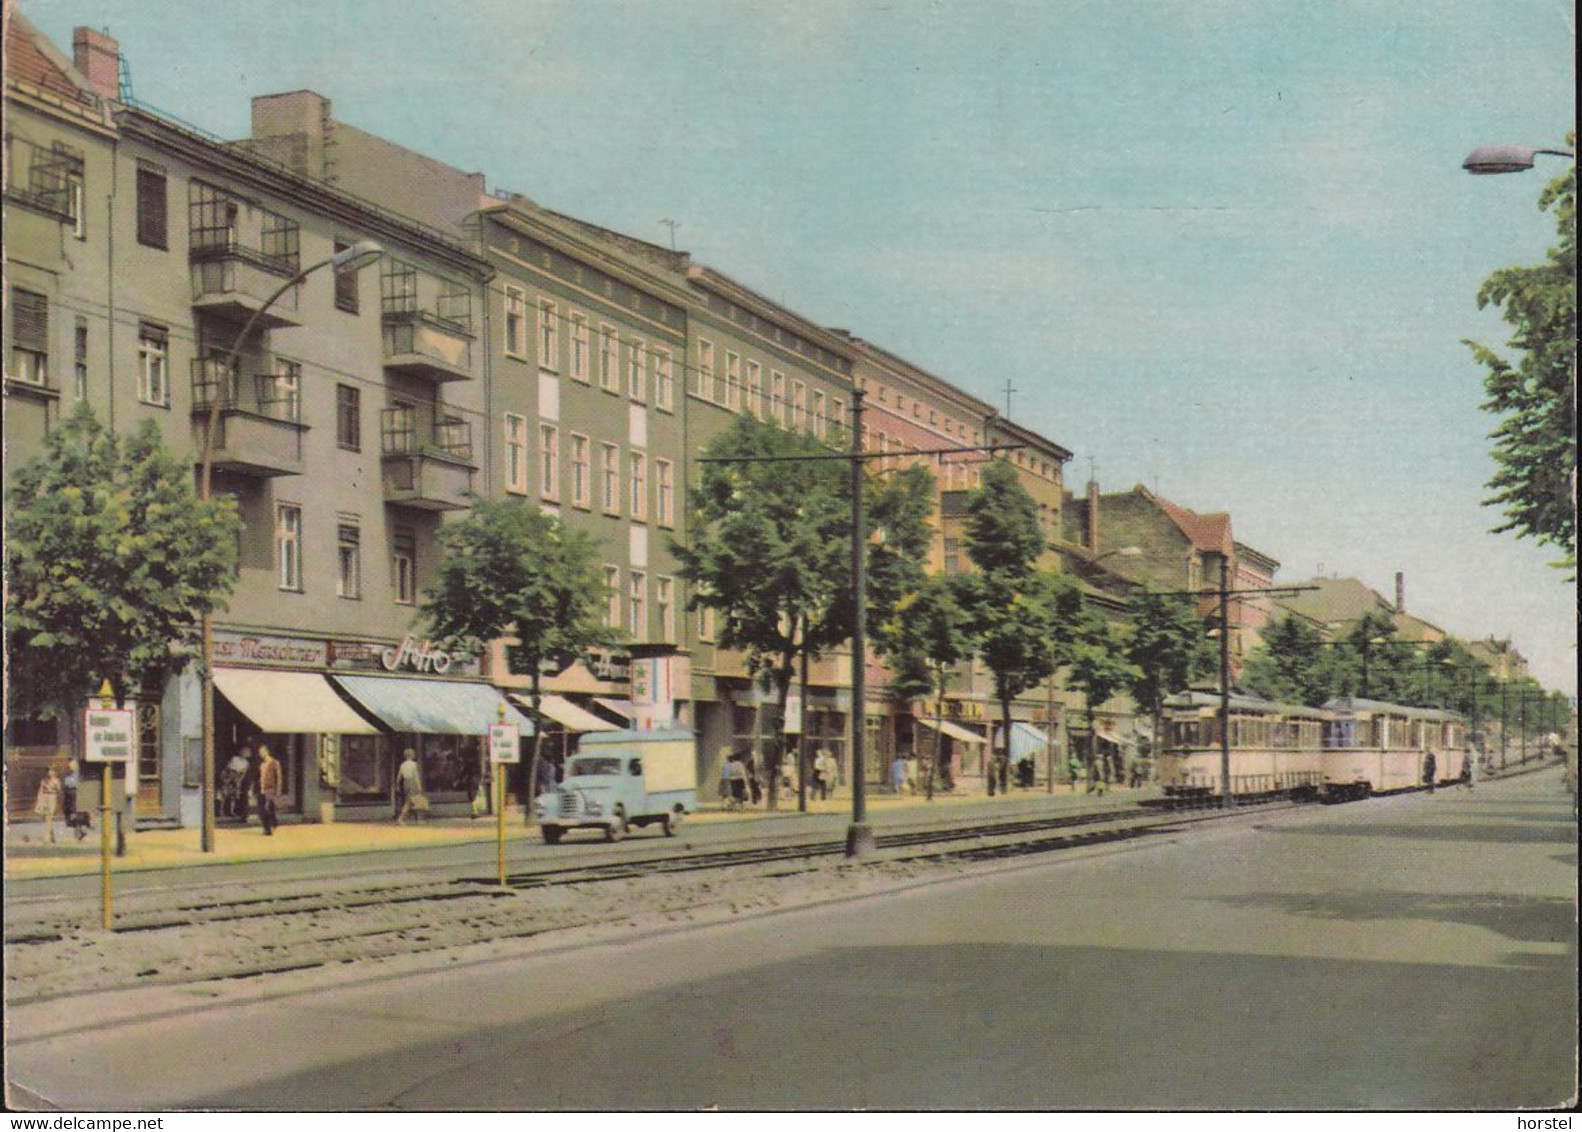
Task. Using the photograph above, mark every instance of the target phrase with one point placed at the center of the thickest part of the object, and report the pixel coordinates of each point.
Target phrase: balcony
(427, 345)
(433, 474)
(235, 282)
(259, 434)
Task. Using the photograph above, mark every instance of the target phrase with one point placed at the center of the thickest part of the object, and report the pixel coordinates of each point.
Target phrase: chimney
(98, 57)
(1092, 517)
(294, 129)
(1400, 592)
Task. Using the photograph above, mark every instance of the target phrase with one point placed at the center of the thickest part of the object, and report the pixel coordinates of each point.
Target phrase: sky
(1222, 248)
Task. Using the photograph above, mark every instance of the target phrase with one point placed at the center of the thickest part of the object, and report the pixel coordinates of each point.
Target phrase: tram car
(1275, 748)
(1372, 747)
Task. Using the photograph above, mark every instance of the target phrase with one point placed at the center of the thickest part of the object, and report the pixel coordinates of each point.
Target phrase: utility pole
(1504, 704)
(859, 838)
(672, 225)
(1224, 681)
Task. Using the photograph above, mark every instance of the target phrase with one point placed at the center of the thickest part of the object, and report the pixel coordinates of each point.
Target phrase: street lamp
(1488, 159)
(360, 255)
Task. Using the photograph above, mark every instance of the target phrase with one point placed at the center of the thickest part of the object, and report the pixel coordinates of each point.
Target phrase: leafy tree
(1166, 647)
(1535, 446)
(1098, 668)
(770, 552)
(512, 571)
(1371, 662)
(1290, 665)
(1023, 616)
(111, 562)
(930, 638)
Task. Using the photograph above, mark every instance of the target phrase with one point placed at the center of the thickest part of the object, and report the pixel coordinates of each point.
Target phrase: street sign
(793, 724)
(504, 743)
(108, 735)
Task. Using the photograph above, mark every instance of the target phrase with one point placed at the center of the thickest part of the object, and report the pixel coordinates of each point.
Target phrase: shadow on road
(1558, 833)
(1526, 919)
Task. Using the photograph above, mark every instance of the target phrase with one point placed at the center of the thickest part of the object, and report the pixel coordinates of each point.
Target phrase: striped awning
(430, 707)
(289, 703)
(954, 730)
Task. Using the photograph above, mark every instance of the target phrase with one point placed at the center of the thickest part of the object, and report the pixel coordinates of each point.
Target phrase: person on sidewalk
(47, 805)
(233, 802)
(1074, 771)
(1466, 770)
(76, 820)
(1429, 768)
(738, 776)
(269, 784)
(409, 785)
(898, 775)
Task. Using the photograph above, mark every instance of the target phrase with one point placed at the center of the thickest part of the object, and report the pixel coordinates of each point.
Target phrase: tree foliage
(512, 571)
(1166, 647)
(1098, 667)
(111, 562)
(1534, 395)
(1289, 665)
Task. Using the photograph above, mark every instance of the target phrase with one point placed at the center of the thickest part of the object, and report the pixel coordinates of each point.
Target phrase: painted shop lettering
(418, 656)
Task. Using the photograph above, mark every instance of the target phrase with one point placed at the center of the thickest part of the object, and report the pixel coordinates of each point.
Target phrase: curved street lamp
(360, 255)
(1488, 159)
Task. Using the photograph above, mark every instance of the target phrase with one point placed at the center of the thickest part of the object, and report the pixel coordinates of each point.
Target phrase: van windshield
(587, 768)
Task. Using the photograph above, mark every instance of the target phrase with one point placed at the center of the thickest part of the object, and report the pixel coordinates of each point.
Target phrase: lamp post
(859, 838)
(355, 258)
(1488, 159)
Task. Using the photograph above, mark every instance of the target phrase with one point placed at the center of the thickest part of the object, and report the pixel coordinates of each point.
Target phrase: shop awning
(287, 703)
(432, 707)
(564, 712)
(622, 708)
(954, 730)
(1026, 739)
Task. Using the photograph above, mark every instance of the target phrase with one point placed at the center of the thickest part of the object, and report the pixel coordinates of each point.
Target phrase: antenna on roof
(672, 225)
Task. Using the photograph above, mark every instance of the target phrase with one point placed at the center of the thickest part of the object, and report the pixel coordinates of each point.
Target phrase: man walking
(409, 783)
(268, 789)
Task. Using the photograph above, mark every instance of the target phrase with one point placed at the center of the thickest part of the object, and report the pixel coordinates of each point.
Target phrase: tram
(1372, 747)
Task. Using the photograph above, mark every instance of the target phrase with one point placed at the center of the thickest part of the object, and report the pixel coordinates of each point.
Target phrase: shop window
(365, 770)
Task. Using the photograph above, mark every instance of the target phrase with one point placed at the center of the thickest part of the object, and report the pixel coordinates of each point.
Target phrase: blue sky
(1223, 246)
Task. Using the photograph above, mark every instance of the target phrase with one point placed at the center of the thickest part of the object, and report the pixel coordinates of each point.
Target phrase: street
(1413, 952)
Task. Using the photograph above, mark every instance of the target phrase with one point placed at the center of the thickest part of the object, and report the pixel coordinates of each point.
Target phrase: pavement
(29, 854)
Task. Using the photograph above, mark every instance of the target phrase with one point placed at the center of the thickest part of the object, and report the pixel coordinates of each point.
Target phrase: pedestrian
(1466, 770)
(1074, 771)
(47, 805)
(725, 782)
(269, 784)
(750, 766)
(911, 773)
(76, 820)
(1429, 767)
(1003, 765)
(409, 787)
(738, 776)
(828, 773)
(898, 774)
(233, 802)
(1097, 781)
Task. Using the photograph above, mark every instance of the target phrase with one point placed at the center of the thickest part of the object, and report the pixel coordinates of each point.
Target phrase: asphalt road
(1416, 952)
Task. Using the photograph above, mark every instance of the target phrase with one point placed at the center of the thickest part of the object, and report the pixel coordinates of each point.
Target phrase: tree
(1022, 616)
(1289, 664)
(930, 638)
(512, 571)
(1098, 668)
(770, 552)
(1166, 647)
(1535, 446)
(112, 560)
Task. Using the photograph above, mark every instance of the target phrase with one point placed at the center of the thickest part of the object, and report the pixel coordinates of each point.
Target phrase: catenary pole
(859, 838)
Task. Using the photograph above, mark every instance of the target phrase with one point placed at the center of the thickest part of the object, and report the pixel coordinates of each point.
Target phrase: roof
(1334, 600)
(1205, 532)
(32, 60)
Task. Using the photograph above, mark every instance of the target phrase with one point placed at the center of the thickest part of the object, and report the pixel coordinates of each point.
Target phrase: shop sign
(610, 666)
(420, 656)
(285, 652)
(793, 724)
(108, 735)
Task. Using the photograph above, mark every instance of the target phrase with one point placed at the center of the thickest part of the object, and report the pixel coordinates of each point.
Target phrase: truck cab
(618, 780)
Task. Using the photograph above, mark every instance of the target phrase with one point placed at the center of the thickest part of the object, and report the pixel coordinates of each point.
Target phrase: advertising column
(657, 670)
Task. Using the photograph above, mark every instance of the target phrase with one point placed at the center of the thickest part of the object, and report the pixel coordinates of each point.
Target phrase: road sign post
(107, 739)
(505, 747)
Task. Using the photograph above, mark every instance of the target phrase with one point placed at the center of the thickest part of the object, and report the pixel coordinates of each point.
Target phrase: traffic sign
(504, 743)
(108, 735)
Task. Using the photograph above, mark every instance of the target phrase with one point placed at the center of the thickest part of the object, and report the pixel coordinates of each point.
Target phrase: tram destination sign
(108, 735)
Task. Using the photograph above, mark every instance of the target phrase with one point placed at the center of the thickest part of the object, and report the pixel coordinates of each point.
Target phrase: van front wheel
(672, 823)
(616, 830)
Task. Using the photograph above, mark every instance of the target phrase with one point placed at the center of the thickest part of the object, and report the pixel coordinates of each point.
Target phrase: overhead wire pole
(859, 836)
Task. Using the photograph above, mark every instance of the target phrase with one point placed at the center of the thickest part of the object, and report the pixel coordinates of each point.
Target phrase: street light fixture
(360, 255)
(1487, 159)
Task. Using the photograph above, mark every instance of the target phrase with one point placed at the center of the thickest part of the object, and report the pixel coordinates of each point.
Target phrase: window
(755, 389)
(279, 239)
(403, 565)
(637, 463)
(281, 397)
(665, 483)
(837, 415)
(75, 204)
(346, 295)
(706, 370)
(733, 381)
(516, 454)
(637, 371)
(151, 206)
(29, 337)
(548, 461)
(612, 597)
(348, 560)
(777, 396)
(665, 607)
(288, 545)
(664, 381)
(579, 348)
(610, 491)
(638, 605)
(349, 417)
(80, 344)
(609, 359)
(548, 339)
(579, 471)
(515, 345)
(798, 406)
(820, 419)
(153, 365)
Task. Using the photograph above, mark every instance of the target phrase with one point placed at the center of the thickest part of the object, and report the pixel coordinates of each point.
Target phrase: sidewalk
(28, 854)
